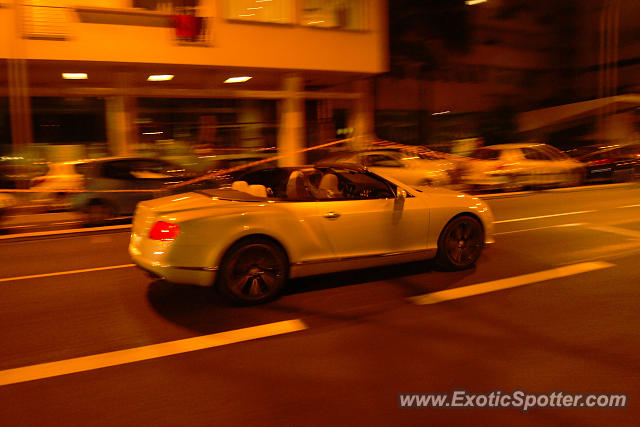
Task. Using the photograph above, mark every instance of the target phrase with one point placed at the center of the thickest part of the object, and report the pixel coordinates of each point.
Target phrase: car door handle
(332, 215)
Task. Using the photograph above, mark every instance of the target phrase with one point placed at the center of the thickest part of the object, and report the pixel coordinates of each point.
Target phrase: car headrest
(329, 182)
(257, 190)
(240, 186)
(295, 186)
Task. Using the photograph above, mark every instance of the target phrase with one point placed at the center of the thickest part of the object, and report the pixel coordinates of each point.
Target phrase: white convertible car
(282, 223)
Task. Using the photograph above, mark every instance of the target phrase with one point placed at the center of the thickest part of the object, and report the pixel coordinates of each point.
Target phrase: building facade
(552, 71)
(123, 76)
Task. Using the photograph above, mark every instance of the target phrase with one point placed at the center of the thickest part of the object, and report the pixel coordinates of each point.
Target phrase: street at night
(319, 213)
(342, 346)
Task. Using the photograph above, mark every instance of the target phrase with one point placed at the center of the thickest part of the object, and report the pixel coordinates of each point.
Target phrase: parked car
(609, 163)
(113, 186)
(512, 167)
(281, 223)
(53, 187)
(412, 169)
(7, 202)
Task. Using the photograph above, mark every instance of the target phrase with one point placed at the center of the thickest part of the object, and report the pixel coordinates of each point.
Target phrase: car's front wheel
(253, 271)
(460, 243)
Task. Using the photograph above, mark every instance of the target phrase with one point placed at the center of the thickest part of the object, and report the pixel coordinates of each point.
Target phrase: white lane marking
(504, 195)
(510, 282)
(616, 230)
(629, 206)
(543, 216)
(575, 224)
(62, 273)
(70, 231)
(154, 351)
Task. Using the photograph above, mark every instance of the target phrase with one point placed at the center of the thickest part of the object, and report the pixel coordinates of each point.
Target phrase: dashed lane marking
(510, 282)
(62, 232)
(543, 216)
(616, 230)
(62, 273)
(575, 224)
(154, 351)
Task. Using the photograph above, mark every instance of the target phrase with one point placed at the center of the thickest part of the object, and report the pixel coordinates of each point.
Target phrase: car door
(541, 169)
(482, 160)
(564, 168)
(367, 219)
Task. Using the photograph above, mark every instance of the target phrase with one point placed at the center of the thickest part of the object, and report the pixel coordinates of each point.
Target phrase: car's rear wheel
(460, 243)
(98, 212)
(253, 271)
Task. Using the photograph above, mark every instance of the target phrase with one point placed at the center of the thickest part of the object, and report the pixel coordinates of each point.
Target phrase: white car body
(318, 236)
(515, 166)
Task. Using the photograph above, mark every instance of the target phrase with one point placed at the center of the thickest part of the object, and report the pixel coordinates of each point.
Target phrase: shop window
(68, 120)
(343, 14)
(270, 11)
(5, 122)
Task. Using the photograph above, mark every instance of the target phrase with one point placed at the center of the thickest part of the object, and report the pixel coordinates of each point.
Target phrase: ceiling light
(238, 79)
(474, 2)
(160, 77)
(74, 76)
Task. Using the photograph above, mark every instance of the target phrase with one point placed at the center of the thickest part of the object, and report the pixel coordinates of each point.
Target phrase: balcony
(58, 23)
(45, 22)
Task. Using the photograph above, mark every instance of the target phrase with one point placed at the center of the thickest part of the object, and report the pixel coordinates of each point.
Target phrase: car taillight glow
(162, 230)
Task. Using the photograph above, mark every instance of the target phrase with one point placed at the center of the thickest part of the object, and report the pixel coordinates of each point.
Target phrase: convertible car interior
(313, 183)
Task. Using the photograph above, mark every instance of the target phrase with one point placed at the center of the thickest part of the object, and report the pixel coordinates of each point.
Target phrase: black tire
(98, 212)
(460, 243)
(253, 271)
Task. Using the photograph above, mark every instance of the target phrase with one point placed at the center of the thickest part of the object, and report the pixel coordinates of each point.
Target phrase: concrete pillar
(19, 104)
(121, 137)
(251, 117)
(361, 117)
(291, 131)
(619, 127)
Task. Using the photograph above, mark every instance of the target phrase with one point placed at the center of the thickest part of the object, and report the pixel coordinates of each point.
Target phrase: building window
(271, 11)
(343, 14)
(186, 7)
(70, 120)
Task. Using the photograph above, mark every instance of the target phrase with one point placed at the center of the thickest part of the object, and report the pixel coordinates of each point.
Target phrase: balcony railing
(45, 22)
(54, 22)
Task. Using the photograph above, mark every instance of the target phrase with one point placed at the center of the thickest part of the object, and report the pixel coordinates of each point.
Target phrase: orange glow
(160, 77)
(241, 79)
(74, 76)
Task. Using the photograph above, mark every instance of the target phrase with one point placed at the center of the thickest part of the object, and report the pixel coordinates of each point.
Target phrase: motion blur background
(208, 84)
(104, 103)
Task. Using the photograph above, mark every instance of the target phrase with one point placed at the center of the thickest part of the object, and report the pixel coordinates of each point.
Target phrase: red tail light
(601, 162)
(162, 230)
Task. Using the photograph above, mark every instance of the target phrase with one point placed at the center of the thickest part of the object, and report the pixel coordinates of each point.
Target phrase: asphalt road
(346, 344)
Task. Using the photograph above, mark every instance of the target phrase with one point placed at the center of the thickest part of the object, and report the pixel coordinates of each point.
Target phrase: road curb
(64, 233)
(558, 190)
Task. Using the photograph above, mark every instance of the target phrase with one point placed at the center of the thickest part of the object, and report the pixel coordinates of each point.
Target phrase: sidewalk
(34, 220)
